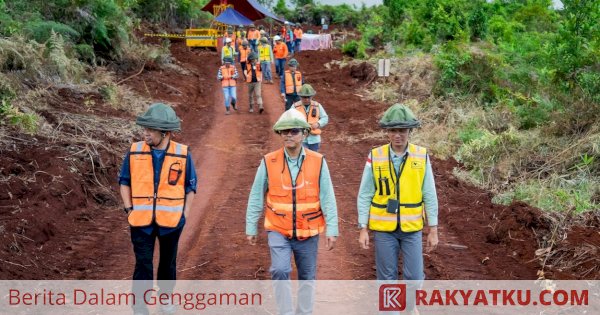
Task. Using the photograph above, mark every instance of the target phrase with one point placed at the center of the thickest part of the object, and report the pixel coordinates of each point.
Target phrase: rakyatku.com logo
(392, 297)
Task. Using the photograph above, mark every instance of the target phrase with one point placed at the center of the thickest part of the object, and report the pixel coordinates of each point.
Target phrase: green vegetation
(516, 91)
(309, 12)
(44, 43)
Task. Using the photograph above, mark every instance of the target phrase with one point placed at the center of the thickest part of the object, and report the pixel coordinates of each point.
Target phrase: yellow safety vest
(408, 190)
(264, 52)
(228, 51)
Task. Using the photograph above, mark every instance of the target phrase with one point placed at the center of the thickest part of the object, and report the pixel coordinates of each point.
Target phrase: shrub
(350, 48)
(25, 121)
(41, 31)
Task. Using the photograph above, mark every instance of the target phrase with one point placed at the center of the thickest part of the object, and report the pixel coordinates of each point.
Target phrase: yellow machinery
(202, 37)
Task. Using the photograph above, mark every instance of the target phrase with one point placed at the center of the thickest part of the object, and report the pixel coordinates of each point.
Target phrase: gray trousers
(305, 256)
(254, 91)
(387, 248)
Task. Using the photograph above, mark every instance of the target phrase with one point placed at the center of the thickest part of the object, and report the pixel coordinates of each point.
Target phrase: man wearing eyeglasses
(396, 198)
(295, 185)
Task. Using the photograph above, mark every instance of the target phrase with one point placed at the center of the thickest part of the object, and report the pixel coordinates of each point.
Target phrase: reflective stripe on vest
(227, 74)
(264, 52)
(290, 88)
(165, 205)
(412, 175)
(310, 118)
(294, 210)
(249, 73)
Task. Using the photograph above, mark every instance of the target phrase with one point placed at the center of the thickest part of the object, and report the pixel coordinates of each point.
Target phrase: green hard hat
(292, 118)
(252, 56)
(161, 117)
(228, 59)
(293, 62)
(306, 91)
(399, 116)
(264, 40)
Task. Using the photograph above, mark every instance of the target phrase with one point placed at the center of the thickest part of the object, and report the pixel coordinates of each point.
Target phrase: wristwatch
(361, 226)
(127, 209)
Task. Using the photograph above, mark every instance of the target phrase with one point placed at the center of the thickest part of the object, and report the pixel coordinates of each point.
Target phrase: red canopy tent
(248, 8)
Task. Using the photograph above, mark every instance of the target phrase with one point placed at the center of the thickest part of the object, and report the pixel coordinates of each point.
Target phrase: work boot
(233, 105)
(261, 110)
(251, 110)
(227, 112)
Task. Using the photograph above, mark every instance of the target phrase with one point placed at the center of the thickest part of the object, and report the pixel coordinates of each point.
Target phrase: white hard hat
(276, 37)
(286, 22)
(228, 40)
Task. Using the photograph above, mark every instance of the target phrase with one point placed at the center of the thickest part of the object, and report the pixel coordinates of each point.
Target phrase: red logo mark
(392, 297)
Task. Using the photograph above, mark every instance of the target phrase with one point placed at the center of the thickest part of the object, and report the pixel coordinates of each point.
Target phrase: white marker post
(383, 70)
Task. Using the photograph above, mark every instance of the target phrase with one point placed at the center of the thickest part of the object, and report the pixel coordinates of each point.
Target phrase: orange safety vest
(227, 76)
(313, 115)
(249, 73)
(298, 33)
(294, 209)
(165, 204)
(280, 50)
(244, 54)
(289, 81)
(253, 34)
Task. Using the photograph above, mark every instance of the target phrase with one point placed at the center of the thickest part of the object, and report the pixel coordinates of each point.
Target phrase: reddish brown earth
(62, 225)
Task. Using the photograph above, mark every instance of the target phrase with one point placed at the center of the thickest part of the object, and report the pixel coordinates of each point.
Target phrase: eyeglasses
(399, 130)
(293, 131)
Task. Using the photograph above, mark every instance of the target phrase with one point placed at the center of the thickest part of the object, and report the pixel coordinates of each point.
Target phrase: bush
(85, 53)
(467, 70)
(350, 48)
(471, 131)
(25, 121)
(535, 112)
(41, 31)
(589, 82)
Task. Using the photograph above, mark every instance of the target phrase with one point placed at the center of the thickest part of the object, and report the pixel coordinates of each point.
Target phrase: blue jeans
(280, 66)
(297, 45)
(143, 248)
(229, 95)
(252, 43)
(290, 46)
(305, 256)
(265, 66)
(313, 147)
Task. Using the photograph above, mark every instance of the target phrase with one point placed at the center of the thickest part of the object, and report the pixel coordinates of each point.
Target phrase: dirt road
(479, 240)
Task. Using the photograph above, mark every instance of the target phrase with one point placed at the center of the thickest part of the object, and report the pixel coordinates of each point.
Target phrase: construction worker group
(256, 56)
(293, 186)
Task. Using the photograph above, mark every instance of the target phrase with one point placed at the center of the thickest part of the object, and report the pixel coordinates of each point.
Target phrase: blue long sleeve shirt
(261, 185)
(158, 157)
(367, 190)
